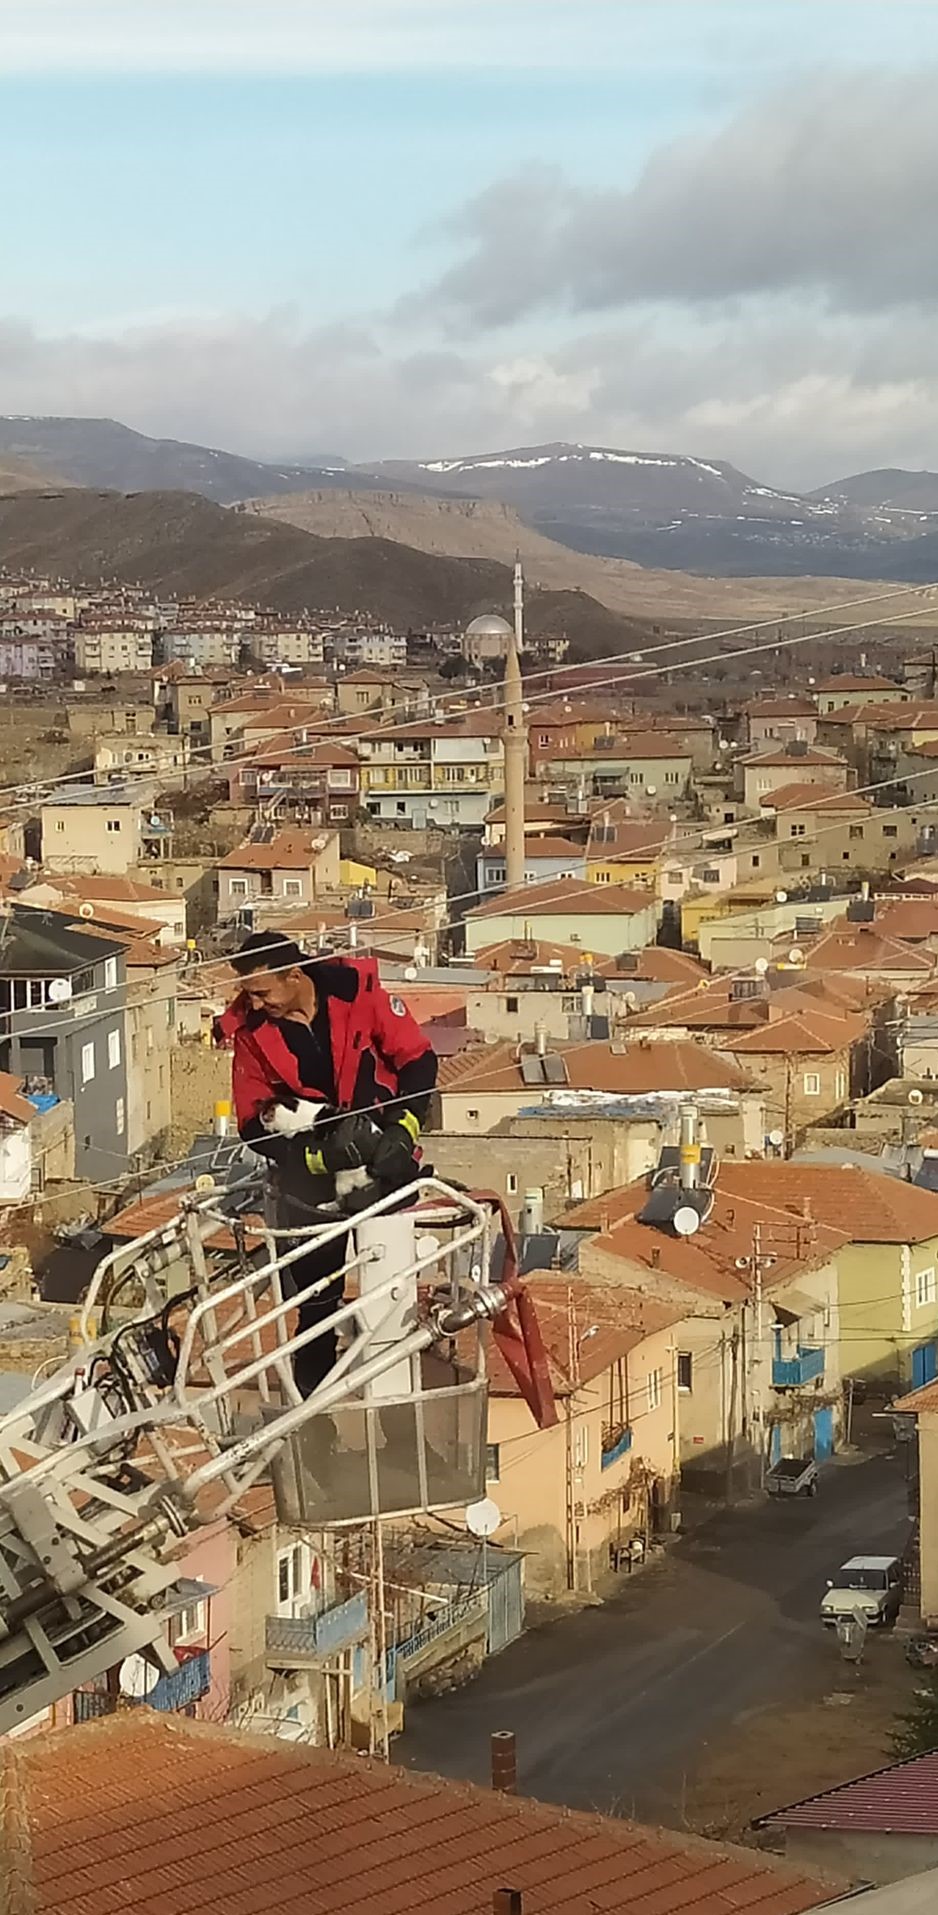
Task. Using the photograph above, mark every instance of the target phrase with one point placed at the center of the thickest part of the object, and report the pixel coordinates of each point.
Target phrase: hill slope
(178, 542)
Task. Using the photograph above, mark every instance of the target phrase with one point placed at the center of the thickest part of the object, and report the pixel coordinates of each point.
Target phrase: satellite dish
(137, 1678)
(776, 1139)
(60, 990)
(484, 1518)
(410, 973)
(204, 1184)
(86, 910)
(916, 1097)
(686, 1220)
(795, 955)
(651, 790)
(761, 966)
(781, 897)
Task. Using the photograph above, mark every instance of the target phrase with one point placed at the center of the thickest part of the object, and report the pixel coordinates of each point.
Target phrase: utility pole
(515, 744)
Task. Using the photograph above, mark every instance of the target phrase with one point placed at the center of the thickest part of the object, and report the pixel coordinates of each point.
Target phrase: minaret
(515, 742)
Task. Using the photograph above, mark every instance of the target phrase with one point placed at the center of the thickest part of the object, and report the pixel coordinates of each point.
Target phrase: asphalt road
(613, 1707)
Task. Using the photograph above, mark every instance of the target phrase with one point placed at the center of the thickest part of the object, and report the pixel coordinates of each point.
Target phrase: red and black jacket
(382, 1063)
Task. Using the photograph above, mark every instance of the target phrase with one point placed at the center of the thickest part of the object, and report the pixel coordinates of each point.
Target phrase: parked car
(792, 1476)
(870, 1584)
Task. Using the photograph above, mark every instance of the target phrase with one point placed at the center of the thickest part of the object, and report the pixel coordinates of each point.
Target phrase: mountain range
(663, 511)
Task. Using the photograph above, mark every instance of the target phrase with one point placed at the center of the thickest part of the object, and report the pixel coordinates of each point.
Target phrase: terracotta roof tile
(797, 797)
(231, 1824)
(872, 1207)
(637, 1070)
(565, 894)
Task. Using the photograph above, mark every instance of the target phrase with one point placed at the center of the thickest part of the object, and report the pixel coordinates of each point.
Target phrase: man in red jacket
(329, 1071)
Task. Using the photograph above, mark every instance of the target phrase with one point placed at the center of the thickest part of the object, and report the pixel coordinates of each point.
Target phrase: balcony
(616, 1442)
(186, 1686)
(792, 1373)
(298, 1642)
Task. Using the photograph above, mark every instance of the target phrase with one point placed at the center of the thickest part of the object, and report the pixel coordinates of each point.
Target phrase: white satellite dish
(776, 1139)
(137, 1678)
(781, 897)
(410, 974)
(796, 955)
(686, 1220)
(59, 990)
(761, 966)
(483, 1518)
(916, 1097)
(86, 910)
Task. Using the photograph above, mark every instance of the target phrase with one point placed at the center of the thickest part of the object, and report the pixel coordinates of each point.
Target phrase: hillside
(18, 476)
(178, 542)
(101, 452)
(905, 491)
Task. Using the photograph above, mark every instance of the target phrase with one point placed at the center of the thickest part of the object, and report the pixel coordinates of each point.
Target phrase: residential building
(183, 699)
(624, 849)
(363, 1831)
(63, 1006)
(603, 919)
(288, 778)
(607, 1471)
(90, 717)
(240, 725)
(639, 764)
(16, 1162)
(480, 1088)
(544, 860)
(848, 691)
(161, 916)
(779, 721)
(757, 1337)
(121, 646)
(761, 773)
(433, 774)
(276, 642)
(88, 829)
(165, 759)
(829, 831)
(39, 659)
(371, 689)
(277, 873)
(375, 650)
(199, 644)
(888, 1290)
(881, 1827)
(922, 1406)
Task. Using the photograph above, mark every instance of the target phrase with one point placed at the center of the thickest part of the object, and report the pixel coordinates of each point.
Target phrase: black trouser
(292, 1196)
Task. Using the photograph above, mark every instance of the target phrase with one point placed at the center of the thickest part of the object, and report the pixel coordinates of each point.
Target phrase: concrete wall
(565, 1168)
(604, 932)
(928, 1513)
(858, 1855)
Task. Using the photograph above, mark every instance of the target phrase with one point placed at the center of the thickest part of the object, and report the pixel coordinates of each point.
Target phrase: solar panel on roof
(555, 1070)
(532, 1071)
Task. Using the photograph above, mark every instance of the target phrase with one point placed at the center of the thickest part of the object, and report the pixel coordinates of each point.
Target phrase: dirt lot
(26, 750)
(777, 1755)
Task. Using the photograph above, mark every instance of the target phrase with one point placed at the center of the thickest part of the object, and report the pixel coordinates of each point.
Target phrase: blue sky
(287, 190)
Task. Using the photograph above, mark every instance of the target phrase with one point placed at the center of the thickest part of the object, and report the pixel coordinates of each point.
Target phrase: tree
(454, 667)
(916, 1732)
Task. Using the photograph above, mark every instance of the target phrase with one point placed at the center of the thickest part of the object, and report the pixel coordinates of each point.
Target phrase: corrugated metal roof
(899, 1800)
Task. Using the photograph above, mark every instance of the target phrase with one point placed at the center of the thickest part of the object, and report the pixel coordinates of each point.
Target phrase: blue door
(823, 1433)
(924, 1364)
(775, 1444)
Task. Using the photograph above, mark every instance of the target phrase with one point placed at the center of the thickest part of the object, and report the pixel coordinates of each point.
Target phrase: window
(119, 1117)
(890, 831)
(87, 1063)
(511, 1184)
(856, 831)
(805, 860)
(811, 1084)
(654, 1389)
(110, 973)
(292, 1577)
(755, 861)
(238, 887)
(60, 824)
(472, 1116)
(492, 1463)
(840, 1084)
(113, 1049)
(797, 831)
(149, 1037)
(926, 1291)
(189, 1625)
(685, 1372)
(113, 824)
(711, 874)
(293, 887)
(511, 1006)
(341, 778)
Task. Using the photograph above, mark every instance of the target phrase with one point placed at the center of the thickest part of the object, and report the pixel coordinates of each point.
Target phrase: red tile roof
(637, 1070)
(871, 1207)
(558, 895)
(11, 1103)
(617, 1317)
(289, 851)
(812, 798)
(779, 756)
(847, 683)
(171, 1817)
(901, 1799)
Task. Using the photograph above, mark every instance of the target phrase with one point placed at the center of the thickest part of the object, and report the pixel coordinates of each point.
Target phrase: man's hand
(393, 1162)
(350, 1145)
(291, 1120)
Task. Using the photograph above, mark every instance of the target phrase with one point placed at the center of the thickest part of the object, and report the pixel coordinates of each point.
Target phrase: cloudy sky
(422, 227)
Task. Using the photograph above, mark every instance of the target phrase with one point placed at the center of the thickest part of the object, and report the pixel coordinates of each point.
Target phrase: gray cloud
(825, 190)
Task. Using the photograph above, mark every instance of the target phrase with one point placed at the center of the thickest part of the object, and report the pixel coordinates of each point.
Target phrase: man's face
(276, 992)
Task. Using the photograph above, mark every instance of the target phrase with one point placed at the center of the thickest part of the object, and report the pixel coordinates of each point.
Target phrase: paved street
(614, 1706)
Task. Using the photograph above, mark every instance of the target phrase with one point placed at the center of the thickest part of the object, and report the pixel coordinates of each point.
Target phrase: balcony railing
(790, 1373)
(292, 1641)
(615, 1443)
(186, 1686)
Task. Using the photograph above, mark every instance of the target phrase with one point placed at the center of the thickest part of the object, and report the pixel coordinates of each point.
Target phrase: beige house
(840, 831)
(849, 691)
(607, 919)
(608, 1470)
(285, 874)
(166, 759)
(106, 647)
(88, 829)
(764, 772)
(778, 721)
(922, 1404)
(480, 1088)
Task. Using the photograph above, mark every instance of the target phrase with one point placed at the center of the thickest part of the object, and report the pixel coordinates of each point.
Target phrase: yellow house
(622, 849)
(353, 875)
(607, 1472)
(887, 1269)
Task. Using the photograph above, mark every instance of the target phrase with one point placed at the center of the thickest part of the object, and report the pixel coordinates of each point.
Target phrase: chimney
(865, 890)
(655, 1256)
(508, 1901)
(690, 1148)
(540, 1039)
(504, 1757)
(222, 1117)
(532, 1219)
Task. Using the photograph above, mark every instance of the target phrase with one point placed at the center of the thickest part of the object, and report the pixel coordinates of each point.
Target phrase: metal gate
(924, 1364)
(505, 1602)
(823, 1433)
